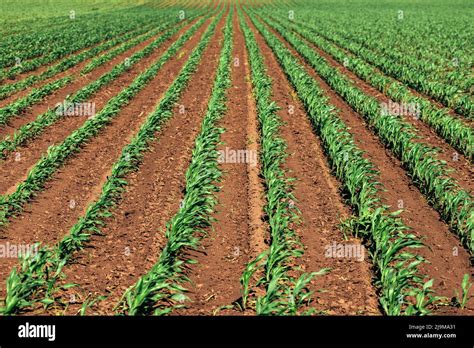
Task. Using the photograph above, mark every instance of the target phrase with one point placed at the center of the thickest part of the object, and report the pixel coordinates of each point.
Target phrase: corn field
(236, 158)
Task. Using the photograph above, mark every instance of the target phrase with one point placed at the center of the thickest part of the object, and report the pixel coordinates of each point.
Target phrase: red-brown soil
(232, 242)
(134, 235)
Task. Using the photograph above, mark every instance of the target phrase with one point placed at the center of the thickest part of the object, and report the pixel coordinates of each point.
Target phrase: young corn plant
(463, 296)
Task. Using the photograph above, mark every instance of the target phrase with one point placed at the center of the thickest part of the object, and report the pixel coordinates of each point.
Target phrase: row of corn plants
(451, 128)
(161, 289)
(57, 154)
(429, 174)
(34, 280)
(447, 94)
(33, 129)
(396, 269)
(36, 95)
(284, 294)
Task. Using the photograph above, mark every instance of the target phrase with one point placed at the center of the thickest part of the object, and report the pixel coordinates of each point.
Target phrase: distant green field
(11, 10)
